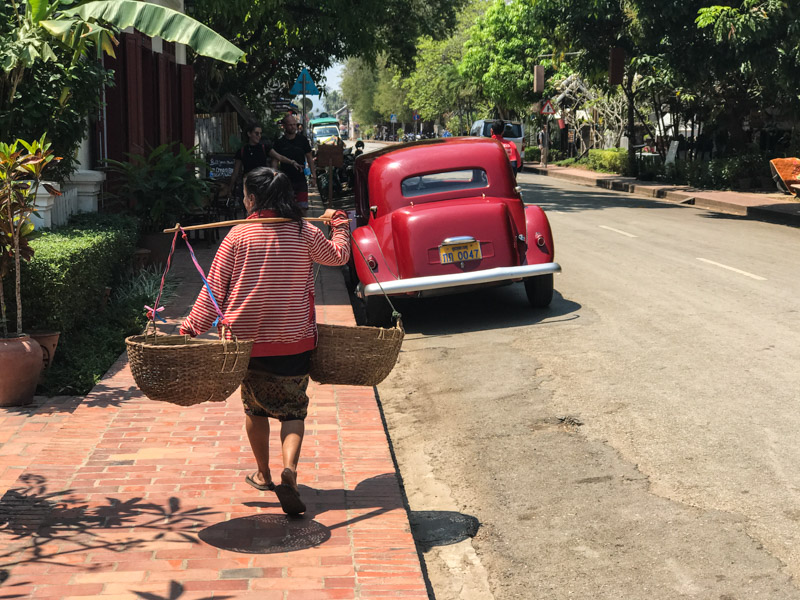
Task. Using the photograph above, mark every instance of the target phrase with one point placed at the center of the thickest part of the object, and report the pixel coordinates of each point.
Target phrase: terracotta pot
(20, 366)
(48, 340)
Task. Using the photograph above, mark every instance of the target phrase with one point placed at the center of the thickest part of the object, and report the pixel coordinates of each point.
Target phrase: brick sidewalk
(116, 496)
(768, 206)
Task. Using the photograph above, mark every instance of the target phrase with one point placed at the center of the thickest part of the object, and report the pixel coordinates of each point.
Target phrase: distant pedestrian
(540, 143)
(296, 146)
(262, 279)
(255, 153)
(510, 147)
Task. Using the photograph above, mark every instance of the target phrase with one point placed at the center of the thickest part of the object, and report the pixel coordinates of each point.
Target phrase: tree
(47, 75)
(333, 101)
(280, 36)
(500, 53)
(359, 83)
(436, 87)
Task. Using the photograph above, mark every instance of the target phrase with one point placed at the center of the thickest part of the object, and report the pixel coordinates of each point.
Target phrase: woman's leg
(291, 441)
(258, 433)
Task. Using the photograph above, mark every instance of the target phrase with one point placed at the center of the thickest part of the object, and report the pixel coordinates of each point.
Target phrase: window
(512, 130)
(447, 181)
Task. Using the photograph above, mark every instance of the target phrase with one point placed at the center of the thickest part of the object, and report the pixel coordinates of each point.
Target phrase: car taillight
(540, 240)
(523, 144)
(371, 262)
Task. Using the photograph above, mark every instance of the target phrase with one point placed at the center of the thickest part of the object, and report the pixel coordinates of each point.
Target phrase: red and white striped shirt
(262, 278)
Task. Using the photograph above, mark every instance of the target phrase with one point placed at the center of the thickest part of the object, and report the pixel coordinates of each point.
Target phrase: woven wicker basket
(355, 355)
(185, 371)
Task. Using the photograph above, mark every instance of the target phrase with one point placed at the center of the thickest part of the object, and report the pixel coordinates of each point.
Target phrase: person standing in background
(255, 153)
(297, 148)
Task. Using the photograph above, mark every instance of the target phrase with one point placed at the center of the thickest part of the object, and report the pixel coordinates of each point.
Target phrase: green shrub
(161, 186)
(532, 154)
(614, 160)
(63, 284)
(86, 353)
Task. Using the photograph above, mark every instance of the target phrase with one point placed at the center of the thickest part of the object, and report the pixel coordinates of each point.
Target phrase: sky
(334, 81)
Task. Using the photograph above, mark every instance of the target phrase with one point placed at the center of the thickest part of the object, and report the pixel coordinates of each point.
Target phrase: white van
(513, 133)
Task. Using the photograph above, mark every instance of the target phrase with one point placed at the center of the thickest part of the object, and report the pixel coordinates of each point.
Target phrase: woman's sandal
(263, 487)
(288, 495)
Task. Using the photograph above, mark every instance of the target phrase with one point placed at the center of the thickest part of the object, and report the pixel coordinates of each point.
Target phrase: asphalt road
(639, 439)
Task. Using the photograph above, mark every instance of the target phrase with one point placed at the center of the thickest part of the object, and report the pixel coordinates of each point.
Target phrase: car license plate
(452, 253)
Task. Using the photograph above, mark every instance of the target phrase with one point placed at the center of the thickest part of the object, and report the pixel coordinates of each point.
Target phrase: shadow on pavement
(53, 527)
(273, 534)
(480, 310)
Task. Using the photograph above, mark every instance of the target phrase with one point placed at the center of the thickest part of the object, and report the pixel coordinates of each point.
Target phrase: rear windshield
(447, 181)
(512, 130)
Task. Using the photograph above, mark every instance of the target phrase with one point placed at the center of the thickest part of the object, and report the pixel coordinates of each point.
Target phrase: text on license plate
(460, 252)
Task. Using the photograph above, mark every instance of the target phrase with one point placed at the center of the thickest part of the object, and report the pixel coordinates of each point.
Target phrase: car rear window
(446, 181)
(512, 130)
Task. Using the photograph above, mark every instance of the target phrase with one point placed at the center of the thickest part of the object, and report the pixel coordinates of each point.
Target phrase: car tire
(539, 290)
(377, 311)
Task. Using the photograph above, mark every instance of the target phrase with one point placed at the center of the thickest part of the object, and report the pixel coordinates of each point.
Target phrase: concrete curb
(783, 214)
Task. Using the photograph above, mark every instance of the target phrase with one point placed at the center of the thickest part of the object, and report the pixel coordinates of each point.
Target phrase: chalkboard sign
(220, 166)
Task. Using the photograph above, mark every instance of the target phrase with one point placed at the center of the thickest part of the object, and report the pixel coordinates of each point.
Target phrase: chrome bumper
(434, 282)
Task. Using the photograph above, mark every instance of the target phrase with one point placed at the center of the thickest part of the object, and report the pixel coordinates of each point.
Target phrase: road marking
(735, 270)
(619, 231)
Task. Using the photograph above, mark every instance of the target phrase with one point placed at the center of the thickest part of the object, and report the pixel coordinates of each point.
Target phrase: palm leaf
(155, 20)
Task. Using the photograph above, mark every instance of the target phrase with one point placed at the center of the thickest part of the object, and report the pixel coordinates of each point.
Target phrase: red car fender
(364, 239)
(539, 237)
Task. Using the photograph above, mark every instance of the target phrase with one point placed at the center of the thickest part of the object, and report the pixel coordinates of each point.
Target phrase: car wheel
(378, 312)
(539, 290)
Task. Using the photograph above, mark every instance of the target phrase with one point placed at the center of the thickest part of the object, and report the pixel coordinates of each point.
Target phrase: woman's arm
(335, 251)
(203, 313)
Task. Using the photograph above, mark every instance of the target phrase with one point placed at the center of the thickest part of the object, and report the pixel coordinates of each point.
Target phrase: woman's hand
(328, 214)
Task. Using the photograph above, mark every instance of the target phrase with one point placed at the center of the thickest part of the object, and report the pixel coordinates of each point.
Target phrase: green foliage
(153, 20)
(64, 282)
(500, 53)
(21, 167)
(162, 186)
(436, 86)
(86, 353)
(280, 36)
(359, 83)
(608, 161)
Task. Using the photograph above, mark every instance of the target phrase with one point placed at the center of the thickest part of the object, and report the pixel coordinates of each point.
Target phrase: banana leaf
(155, 20)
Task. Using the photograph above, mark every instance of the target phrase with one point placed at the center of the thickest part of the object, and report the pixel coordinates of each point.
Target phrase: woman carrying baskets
(262, 279)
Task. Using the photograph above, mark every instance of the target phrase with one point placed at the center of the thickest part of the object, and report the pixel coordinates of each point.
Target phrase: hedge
(63, 285)
(614, 160)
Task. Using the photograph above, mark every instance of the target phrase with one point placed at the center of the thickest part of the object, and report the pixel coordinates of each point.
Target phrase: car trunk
(419, 234)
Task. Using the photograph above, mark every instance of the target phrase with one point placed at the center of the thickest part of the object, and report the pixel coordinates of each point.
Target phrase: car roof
(323, 121)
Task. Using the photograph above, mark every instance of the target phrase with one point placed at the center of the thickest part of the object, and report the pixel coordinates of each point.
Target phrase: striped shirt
(262, 278)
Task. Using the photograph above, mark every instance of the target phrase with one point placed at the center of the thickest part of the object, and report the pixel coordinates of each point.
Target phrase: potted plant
(161, 188)
(21, 166)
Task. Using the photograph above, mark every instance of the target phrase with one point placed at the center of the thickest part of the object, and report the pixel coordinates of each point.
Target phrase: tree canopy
(281, 36)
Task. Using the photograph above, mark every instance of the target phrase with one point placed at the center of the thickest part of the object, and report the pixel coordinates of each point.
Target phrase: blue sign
(304, 85)
(393, 118)
(416, 116)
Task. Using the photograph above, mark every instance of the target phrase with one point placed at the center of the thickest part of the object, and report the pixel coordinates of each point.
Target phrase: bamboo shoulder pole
(241, 222)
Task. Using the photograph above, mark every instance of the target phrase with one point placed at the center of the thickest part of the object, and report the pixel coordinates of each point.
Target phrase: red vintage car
(445, 215)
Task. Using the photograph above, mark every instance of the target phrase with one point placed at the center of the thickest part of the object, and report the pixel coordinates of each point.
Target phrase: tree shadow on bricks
(276, 533)
(175, 592)
(59, 527)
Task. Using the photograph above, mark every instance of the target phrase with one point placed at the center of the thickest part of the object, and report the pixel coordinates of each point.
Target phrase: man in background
(510, 147)
(296, 147)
